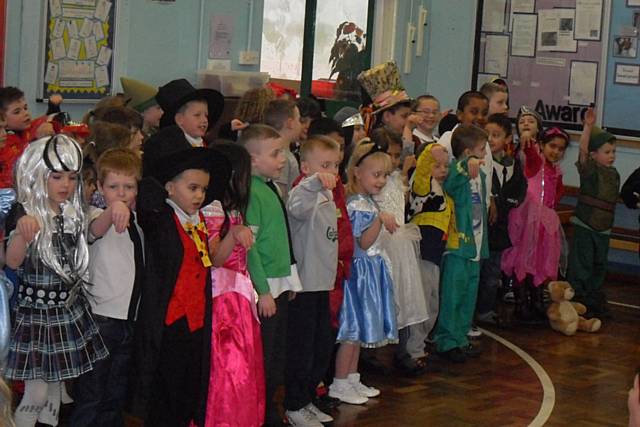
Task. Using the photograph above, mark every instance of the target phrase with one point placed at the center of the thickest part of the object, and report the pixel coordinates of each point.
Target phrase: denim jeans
(101, 393)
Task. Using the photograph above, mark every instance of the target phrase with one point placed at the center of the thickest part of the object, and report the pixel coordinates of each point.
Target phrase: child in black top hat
(174, 318)
(192, 110)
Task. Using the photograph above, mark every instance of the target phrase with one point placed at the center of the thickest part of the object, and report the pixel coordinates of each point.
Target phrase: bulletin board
(621, 113)
(548, 51)
(78, 48)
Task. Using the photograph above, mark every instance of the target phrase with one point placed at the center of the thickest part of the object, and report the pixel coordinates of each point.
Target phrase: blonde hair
(252, 105)
(489, 88)
(362, 149)
(254, 134)
(317, 142)
(6, 416)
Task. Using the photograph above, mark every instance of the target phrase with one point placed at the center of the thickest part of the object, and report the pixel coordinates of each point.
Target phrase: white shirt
(112, 271)
(195, 142)
(423, 137)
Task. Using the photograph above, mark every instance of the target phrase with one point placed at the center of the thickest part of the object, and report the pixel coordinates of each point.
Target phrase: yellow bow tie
(200, 245)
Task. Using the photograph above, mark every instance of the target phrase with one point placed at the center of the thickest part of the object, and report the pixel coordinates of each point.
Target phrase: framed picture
(632, 3)
(627, 74)
(625, 47)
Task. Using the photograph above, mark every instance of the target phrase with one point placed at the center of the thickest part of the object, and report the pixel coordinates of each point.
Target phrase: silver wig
(58, 153)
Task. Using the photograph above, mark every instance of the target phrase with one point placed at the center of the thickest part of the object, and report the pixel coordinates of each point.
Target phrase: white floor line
(548, 391)
(621, 304)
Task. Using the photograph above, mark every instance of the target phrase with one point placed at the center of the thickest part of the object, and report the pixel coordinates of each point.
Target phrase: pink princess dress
(534, 227)
(236, 383)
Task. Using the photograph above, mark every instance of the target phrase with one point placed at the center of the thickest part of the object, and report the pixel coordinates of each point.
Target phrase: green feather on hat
(599, 137)
(140, 95)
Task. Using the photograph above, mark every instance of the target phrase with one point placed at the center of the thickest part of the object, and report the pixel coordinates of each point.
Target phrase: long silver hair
(58, 153)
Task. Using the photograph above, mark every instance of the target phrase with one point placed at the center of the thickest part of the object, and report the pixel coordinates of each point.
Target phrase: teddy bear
(564, 315)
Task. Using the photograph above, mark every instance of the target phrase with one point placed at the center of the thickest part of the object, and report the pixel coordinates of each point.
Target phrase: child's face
(440, 168)
(18, 116)
(395, 151)
(498, 103)
(474, 113)
(605, 155)
(3, 131)
(358, 134)
(429, 110)
(194, 119)
(528, 126)
(189, 189)
(119, 187)
(478, 151)
(295, 126)
(152, 116)
(267, 158)
(498, 138)
(371, 175)
(135, 141)
(397, 119)
(554, 150)
(321, 160)
(60, 187)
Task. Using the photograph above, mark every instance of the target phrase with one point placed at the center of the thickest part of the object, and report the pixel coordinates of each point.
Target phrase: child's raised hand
(266, 305)
(242, 235)
(589, 117)
(526, 141)
(409, 162)
(237, 124)
(45, 129)
(56, 99)
(327, 180)
(413, 120)
(120, 215)
(389, 222)
(28, 227)
(474, 167)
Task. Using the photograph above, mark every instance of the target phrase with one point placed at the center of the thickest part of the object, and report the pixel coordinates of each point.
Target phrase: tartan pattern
(51, 342)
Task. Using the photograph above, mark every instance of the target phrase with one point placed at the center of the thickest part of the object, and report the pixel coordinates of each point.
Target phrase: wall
(444, 69)
(155, 42)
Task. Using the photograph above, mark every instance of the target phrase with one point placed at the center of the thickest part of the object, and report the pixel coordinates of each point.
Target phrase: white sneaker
(343, 390)
(363, 390)
(321, 416)
(302, 418)
(474, 332)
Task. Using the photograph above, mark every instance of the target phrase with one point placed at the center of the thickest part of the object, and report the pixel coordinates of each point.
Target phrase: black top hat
(178, 92)
(167, 154)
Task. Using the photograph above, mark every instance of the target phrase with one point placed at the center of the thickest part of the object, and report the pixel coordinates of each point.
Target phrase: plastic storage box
(231, 83)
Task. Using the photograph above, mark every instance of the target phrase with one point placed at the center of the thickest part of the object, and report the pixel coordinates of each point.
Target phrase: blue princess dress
(368, 314)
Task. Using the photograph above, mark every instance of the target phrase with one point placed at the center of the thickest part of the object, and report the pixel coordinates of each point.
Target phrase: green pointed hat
(140, 95)
(599, 137)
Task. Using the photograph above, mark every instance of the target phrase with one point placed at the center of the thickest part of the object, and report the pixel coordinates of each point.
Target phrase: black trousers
(310, 346)
(274, 345)
(177, 384)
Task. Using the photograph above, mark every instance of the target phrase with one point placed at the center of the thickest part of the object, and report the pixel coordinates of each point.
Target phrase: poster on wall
(555, 30)
(78, 49)
(588, 19)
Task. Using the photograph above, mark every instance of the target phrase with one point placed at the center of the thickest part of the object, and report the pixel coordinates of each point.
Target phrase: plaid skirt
(53, 343)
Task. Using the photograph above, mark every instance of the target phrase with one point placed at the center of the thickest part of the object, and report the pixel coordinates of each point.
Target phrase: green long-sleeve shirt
(269, 255)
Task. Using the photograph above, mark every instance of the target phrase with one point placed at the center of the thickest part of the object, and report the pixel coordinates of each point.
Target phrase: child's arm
(422, 175)
(460, 172)
(369, 236)
(304, 197)
(26, 229)
(118, 215)
(221, 249)
(587, 127)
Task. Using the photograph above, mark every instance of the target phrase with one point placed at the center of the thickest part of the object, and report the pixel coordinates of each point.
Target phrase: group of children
(204, 275)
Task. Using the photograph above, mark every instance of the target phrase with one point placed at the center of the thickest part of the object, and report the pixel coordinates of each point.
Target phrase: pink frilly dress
(236, 383)
(534, 226)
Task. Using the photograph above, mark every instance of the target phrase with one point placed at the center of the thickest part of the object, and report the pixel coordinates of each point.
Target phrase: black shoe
(455, 355)
(326, 403)
(410, 367)
(369, 363)
(472, 351)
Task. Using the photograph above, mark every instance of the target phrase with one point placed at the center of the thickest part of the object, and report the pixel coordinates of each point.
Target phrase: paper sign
(74, 49)
(87, 28)
(493, 16)
(58, 50)
(98, 31)
(582, 83)
(55, 7)
(221, 34)
(588, 19)
(102, 10)
(72, 29)
(52, 73)
(102, 76)
(627, 74)
(496, 55)
(90, 47)
(551, 62)
(523, 37)
(104, 56)
(555, 30)
(76, 13)
(58, 29)
(78, 70)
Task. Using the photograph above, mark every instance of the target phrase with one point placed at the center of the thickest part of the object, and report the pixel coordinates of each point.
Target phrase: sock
(66, 397)
(353, 378)
(340, 382)
(35, 397)
(51, 410)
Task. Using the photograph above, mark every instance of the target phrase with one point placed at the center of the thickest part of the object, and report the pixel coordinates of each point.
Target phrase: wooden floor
(590, 373)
